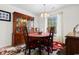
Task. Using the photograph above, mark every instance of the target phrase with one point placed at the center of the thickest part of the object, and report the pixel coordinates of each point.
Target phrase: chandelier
(44, 13)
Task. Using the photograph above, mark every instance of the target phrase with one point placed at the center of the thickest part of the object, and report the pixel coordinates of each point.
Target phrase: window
(52, 22)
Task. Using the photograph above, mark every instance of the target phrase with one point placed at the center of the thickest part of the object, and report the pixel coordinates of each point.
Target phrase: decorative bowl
(39, 32)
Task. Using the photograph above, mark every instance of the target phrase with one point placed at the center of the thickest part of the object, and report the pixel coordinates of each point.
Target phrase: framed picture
(5, 16)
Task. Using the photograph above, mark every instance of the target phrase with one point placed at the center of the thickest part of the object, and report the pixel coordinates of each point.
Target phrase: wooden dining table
(39, 37)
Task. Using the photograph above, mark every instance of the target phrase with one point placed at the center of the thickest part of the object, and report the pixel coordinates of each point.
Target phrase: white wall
(6, 27)
(70, 18)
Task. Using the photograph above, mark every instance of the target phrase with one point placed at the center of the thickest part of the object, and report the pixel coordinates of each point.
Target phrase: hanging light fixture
(44, 13)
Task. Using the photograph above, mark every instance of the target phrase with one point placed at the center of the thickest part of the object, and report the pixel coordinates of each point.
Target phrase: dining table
(36, 34)
(40, 37)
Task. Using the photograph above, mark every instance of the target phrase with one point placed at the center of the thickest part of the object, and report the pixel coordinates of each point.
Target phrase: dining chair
(48, 42)
(30, 44)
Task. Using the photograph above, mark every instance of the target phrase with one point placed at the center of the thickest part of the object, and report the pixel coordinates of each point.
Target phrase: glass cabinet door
(20, 23)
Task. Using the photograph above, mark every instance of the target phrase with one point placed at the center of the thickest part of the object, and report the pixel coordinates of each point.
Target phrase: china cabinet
(19, 20)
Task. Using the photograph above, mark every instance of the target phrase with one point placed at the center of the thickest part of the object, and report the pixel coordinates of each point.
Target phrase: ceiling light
(44, 13)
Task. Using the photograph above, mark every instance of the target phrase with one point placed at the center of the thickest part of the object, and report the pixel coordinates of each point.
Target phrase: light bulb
(41, 14)
(45, 14)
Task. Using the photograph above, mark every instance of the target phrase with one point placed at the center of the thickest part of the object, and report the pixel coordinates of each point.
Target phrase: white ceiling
(36, 9)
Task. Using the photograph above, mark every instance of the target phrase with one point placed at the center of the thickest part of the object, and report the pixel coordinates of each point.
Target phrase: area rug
(19, 50)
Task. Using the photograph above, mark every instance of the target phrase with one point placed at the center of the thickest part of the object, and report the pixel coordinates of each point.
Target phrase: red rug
(57, 45)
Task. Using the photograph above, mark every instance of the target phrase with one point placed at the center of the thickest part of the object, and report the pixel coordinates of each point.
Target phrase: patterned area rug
(19, 50)
(12, 50)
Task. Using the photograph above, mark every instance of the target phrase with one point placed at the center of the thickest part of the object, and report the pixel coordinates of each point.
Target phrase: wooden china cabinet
(19, 20)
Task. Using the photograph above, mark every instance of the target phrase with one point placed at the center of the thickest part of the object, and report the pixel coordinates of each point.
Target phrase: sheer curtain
(59, 34)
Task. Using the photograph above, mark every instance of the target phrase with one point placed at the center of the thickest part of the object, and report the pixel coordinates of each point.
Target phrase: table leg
(39, 47)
